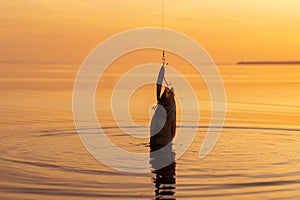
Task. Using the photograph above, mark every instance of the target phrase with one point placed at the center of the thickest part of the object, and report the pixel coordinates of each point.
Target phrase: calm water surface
(257, 156)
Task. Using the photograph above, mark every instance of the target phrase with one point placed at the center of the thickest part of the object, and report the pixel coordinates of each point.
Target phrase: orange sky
(231, 30)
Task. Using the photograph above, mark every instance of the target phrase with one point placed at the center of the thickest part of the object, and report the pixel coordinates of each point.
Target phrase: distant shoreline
(269, 63)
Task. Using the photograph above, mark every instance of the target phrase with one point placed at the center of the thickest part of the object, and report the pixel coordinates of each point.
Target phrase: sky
(65, 31)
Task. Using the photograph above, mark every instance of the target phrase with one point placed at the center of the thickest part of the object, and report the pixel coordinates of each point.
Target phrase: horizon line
(217, 63)
(286, 62)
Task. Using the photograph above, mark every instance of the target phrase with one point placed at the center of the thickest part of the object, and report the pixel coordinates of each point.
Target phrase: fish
(163, 123)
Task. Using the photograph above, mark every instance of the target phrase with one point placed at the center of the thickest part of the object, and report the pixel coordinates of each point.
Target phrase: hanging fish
(163, 123)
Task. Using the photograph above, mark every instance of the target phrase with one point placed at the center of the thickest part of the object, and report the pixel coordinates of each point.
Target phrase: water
(257, 156)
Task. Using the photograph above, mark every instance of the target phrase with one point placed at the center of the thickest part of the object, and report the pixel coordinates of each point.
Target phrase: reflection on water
(164, 180)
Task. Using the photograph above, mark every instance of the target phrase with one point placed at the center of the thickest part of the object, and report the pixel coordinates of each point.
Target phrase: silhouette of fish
(163, 123)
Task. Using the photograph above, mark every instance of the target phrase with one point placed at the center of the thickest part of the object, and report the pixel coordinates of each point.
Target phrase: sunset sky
(67, 30)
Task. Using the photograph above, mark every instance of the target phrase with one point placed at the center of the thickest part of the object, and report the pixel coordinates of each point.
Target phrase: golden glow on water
(256, 157)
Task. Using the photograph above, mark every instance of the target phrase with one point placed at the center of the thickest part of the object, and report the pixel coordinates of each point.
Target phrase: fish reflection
(164, 179)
